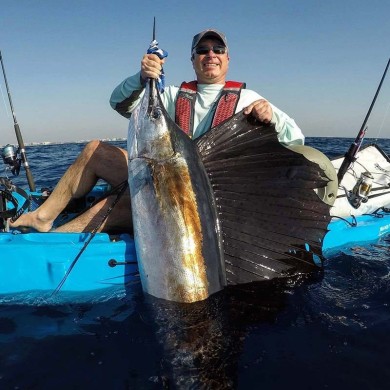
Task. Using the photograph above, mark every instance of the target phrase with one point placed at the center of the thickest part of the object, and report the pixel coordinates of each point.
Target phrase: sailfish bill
(234, 206)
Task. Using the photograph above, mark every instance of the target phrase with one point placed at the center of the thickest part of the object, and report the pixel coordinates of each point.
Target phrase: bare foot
(34, 221)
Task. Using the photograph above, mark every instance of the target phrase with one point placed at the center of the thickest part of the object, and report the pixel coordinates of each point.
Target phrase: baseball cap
(208, 33)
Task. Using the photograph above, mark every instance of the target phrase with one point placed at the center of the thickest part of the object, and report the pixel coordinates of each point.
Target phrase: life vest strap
(185, 104)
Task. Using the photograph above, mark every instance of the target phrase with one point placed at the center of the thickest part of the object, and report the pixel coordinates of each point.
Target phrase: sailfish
(233, 206)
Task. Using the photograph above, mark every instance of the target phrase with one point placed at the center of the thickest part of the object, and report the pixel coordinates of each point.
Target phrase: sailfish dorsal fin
(272, 221)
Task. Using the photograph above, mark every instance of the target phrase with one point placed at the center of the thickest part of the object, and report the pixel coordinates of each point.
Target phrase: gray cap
(208, 33)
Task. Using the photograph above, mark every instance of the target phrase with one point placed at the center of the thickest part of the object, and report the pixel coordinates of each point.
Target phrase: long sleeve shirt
(127, 95)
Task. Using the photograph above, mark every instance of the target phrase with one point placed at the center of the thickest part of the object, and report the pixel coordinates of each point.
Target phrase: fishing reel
(10, 157)
(361, 190)
(14, 201)
(8, 204)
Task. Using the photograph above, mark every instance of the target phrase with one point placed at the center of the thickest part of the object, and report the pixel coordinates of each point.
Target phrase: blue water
(331, 332)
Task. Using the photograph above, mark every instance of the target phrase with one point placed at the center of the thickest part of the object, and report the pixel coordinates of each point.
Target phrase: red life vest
(185, 104)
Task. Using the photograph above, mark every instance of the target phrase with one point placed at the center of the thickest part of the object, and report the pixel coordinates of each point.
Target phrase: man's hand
(261, 110)
(151, 67)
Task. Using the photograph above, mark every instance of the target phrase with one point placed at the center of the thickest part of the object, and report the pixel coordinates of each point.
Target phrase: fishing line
(383, 122)
(122, 187)
(5, 103)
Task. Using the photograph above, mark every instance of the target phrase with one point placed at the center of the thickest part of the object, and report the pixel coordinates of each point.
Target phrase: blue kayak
(351, 231)
(39, 261)
(35, 263)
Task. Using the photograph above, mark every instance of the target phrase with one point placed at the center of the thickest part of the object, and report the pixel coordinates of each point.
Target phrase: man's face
(210, 68)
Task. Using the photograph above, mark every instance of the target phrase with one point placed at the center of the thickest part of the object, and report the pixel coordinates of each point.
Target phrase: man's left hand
(261, 110)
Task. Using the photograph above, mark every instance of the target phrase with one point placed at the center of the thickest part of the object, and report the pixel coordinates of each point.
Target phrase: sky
(319, 61)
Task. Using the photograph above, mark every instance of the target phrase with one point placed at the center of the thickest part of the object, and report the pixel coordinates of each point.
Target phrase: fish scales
(175, 225)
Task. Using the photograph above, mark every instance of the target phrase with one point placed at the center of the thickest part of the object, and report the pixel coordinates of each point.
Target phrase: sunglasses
(217, 49)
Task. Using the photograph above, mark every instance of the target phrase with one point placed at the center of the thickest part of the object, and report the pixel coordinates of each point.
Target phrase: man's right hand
(151, 67)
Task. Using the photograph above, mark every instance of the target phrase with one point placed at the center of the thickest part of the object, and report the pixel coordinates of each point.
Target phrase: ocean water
(328, 332)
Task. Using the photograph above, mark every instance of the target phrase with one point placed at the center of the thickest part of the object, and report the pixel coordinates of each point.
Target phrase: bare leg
(119, 217)
(97, 160)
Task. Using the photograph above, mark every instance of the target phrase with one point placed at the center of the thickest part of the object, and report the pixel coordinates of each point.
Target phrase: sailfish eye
(157, 112)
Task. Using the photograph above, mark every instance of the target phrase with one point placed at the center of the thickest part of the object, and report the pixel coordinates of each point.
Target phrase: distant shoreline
(121, 139)
(44, 143)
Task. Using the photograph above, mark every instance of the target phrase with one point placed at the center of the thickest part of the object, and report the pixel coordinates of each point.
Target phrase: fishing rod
(350, 156)
(154, 49)
(121, 188)
(18, 133)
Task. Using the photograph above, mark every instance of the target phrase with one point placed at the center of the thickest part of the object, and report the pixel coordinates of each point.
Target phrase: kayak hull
(39, 261)
(370, 220)
(352, 231)
(33, 264)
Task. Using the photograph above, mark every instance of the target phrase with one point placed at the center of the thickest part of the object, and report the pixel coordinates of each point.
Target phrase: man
(211, 70)
(204, 109)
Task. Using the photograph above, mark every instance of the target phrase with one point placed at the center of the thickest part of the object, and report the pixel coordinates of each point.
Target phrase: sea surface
(328, 332)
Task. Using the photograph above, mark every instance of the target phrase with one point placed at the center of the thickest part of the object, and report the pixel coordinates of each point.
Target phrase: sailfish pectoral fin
(272, 221)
